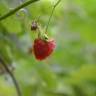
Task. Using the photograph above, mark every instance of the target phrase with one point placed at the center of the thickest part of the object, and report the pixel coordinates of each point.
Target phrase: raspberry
(43, 48)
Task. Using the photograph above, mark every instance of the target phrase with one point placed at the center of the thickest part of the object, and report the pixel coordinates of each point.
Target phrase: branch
(12, 76)
(16, 9)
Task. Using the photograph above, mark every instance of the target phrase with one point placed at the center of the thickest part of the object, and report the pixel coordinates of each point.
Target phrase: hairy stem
(16, 9)
(52, 14)
(12, 76)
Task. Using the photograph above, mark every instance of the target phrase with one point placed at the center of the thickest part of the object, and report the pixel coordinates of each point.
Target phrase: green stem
(16, 9)
(52, 14)
(11, 75)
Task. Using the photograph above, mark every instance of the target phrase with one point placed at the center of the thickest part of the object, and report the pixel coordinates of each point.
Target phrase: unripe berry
(34, 26)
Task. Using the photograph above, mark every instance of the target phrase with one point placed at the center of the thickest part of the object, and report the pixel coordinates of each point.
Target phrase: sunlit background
(71, 69)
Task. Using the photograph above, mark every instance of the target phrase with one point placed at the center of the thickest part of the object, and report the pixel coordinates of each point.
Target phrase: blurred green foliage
(71, 69)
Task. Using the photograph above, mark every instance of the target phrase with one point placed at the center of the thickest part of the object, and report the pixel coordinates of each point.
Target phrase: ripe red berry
(42, 48)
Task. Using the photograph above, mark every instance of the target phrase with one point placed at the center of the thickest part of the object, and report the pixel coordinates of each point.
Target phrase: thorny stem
(16, 9)
(12, 76)
(52, 14)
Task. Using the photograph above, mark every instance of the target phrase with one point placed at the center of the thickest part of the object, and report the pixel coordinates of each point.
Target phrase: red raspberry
(43, 48)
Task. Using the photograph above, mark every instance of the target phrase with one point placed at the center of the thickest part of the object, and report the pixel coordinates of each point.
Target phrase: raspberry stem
(52, 14)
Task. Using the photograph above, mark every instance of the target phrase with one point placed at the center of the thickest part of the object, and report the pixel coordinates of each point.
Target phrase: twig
(16, 9)
(52, 14)
(12, 76)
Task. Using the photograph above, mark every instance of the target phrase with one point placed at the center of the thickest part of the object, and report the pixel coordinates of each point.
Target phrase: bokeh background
(71, 69)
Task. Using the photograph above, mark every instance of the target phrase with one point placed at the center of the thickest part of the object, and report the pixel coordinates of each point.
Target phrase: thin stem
(16, 9)
(12, 76)
(52, 14)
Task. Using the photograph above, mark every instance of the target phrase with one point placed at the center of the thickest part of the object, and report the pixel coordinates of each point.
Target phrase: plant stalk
(6, 15)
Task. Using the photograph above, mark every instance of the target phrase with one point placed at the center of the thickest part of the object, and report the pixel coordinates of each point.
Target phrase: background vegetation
(71, 69)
